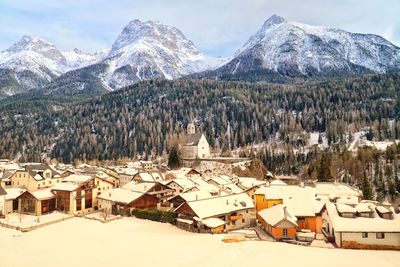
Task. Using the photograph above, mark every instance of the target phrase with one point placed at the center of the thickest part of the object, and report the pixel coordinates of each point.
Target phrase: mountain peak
(30, 43)
(274, 20)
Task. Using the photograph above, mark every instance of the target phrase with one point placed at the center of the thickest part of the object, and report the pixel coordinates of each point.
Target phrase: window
(380, 235)
(285, 232)
(364, 235)
(243, 220)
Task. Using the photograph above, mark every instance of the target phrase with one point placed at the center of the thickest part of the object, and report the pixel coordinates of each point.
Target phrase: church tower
(191, 129)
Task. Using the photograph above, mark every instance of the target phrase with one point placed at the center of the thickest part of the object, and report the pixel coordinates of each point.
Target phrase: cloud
(216, 27)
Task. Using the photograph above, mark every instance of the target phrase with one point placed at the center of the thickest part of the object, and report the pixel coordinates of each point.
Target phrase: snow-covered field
(134, 242)
(23, 220)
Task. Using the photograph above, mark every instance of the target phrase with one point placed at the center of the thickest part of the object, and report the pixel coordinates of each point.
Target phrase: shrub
(155, 215)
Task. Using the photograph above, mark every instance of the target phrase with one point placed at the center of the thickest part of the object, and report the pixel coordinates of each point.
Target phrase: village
(214, 201)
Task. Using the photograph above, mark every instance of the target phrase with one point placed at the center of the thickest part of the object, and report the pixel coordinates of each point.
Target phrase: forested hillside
(143, 119)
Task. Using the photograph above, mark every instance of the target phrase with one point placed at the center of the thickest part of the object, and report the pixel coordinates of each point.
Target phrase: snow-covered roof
(127, 171)
(364, 207)
(120, 195)
(212, 189)
(157, 176)
(13, 193)
(184, 183)
(250, 182)
(278, 182)
(77, 178)
(38, 177)
(338, 189)
(146, 177)
(349, 200)
(140, 187)
(214, 206)
(276, 214)
(221, 180)
(383, 209)
(362, 224)
(9, 166)
(181, 173)
(232, 189)
(300, 200)
(42, 194)
(187, 221)
(65, 186)
(213, 222)
(343, 208)
(196, 195)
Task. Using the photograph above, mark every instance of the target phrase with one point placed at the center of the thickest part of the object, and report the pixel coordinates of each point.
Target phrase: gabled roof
(6, 174)
(248, 183)
(276, 214)
(337, 189)
(2, 191)
(300, 200)
(13, 193)
(146, 177)
(182, 172)
(213, 222)
(192, 196)
(215, 206)
(184, 183)
(42, 194)
(120, 195)
(193, 139)
(139, 187)
(362, 224)
(77, 178)
(343, 208)
(37, 168)
(65, 186)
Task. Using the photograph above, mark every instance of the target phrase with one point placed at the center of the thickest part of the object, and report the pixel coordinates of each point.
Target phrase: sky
(217, 27)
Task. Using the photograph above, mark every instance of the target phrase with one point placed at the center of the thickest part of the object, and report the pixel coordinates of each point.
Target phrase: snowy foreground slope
(133, 242)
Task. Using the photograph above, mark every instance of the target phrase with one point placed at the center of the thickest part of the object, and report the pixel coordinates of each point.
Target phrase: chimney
(285, 212)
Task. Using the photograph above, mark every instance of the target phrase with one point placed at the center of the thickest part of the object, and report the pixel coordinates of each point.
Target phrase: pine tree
(366, 188)
(324, 168)
(174, 158)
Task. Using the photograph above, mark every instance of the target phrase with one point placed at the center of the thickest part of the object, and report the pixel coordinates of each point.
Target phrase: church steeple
(191, 128)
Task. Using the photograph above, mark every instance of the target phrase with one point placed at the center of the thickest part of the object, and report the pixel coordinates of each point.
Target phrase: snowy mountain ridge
(146, 50)
(288, 47)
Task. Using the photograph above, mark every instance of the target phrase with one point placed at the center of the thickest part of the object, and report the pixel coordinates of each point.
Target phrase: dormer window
(384, 213)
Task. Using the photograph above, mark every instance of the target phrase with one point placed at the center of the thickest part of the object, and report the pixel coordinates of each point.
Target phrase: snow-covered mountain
(146, 50)
(296, 49)
(142, 51)
(78, 59)
(33, 62)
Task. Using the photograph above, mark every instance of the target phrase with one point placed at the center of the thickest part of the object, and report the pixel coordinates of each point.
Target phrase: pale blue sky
(217, 27)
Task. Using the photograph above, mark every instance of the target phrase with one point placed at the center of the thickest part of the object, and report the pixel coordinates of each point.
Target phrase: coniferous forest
(141, 121)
